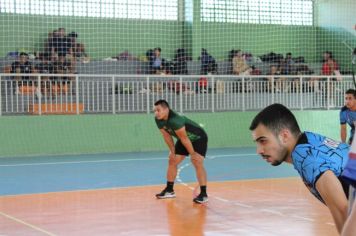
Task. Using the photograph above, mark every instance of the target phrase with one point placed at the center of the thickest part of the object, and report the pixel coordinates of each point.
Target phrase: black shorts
(200, 146)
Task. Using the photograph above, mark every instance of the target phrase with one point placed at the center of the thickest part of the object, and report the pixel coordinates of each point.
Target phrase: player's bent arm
(168, 140)
(183, 137)
(343, 132)
(330, 189)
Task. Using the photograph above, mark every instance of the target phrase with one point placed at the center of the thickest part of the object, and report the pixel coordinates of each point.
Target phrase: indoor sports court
(81, 154)
(113, 194)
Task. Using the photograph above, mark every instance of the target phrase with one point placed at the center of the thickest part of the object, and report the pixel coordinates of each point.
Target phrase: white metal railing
(79, 93)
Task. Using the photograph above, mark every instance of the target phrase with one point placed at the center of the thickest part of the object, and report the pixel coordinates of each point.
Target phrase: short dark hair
(351, 91)
(162, 103)
(276, 117)
(157, 49)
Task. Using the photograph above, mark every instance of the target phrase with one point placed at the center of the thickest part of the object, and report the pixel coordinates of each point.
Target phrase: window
(132, 9)
(285, 12)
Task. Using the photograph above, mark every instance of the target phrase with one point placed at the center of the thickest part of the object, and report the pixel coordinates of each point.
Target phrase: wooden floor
(248, 207)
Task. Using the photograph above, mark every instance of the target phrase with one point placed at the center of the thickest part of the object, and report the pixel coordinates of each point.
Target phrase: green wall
(108, 37)
(102, 37)
(260, 39)
(51, 135)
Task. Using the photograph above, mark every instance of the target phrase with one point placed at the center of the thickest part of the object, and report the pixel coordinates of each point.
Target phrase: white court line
(45, 232)
(236, 203)
(116, 160)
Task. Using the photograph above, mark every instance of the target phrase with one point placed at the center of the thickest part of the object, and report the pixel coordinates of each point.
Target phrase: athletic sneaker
(165, 194)
(201, 198)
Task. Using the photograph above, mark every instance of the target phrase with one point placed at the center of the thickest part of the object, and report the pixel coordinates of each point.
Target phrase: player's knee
(174, 161)
(196, 162)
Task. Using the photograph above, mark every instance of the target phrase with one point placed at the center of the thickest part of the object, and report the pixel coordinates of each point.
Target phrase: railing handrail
(172, 76)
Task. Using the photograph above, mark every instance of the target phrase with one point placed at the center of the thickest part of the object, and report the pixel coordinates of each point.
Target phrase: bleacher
(141, 67)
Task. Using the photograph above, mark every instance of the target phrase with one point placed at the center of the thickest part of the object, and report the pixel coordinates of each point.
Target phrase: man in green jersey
(191, 140)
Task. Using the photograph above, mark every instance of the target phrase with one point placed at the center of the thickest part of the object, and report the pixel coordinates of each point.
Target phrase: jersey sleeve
(159, 124)
(342, 117)
(177, 122)
(321, 162)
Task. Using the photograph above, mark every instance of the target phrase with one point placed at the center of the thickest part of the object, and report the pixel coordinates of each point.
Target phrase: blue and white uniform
(349, 117)
(314, 154)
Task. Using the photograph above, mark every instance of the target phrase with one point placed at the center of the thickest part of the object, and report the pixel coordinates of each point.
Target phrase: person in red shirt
(329, 65)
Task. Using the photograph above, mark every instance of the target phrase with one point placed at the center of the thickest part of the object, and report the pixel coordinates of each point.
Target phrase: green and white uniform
(195, 132)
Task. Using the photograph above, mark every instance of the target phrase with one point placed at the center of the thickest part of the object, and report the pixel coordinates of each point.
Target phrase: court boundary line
(138, 186)
(118, 160)
(239, 204)
(34, 227)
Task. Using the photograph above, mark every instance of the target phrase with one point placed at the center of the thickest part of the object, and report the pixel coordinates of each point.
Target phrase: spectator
(278, 81)
(22, 66)
(23, 84)
(61, 45)
(78, 49)
(156, 62)
(287, 65)
(239, 65)
(180, 62)
(208, 63)
(45, 67)
(62, 66)
(329, 64)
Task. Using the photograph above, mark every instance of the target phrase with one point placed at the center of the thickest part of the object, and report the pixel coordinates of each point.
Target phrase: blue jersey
(349, 117)
(314, 154)
(349, 173)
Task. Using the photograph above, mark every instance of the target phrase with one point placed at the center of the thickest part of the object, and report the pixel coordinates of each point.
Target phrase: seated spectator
(180, 62)
(208, 63)
(77, 49)
(287, 65)
(61, 45)
(126, 56)
(23, 66)
(45, 67)
(328, 68)
(239, 65)
(329, 64)
(156, 62)
(62, 66)
(275, 70)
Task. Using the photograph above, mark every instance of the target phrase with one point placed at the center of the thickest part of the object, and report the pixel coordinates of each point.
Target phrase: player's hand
(171, 155)
(196, 156)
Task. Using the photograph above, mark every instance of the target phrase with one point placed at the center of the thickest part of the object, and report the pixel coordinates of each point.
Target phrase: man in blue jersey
(349, 174)
(319, 160)
(348, 115)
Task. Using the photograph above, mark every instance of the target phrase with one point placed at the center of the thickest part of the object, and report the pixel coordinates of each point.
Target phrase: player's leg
(200, 147)
(350, 226)
(174, 160)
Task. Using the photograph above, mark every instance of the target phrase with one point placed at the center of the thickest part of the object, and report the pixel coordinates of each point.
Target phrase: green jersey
(176, 121)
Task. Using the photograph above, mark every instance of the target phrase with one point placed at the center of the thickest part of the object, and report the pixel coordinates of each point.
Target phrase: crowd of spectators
(62, 51)
(60, 54)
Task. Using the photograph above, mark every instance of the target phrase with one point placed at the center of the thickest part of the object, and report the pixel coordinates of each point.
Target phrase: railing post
(181, 95)
(212, 94)
(328, 93)
(39, 95)
(148, 94)
(243, 94)
(113, 94)
(301, 92)
(77, 93)
(272, 89)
